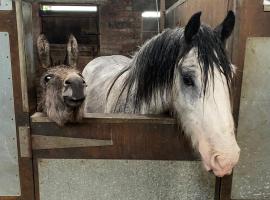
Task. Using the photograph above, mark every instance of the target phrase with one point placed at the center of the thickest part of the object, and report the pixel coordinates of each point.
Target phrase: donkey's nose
(74, 88)
(74, 81)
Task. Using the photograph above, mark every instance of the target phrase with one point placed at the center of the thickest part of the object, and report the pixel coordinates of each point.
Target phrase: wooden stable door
(117, 157)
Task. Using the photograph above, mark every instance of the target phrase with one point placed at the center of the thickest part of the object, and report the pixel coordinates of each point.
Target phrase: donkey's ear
(43, 48)
(72, 51)
(226, 27)
(192, 27)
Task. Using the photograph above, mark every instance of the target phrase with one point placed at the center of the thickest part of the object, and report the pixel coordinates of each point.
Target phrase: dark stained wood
(113, 118)
(136, 140)
(252, 22)
(29, 57)
(8, 24)
(217, 188)
(213, 13)
(58, 28)
(36, 179)
(225, 188)
(27, 179)
(162, 15)
(133, 136)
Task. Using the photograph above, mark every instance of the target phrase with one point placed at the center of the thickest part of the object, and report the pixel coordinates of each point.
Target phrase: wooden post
(162, 15)
(23, 74)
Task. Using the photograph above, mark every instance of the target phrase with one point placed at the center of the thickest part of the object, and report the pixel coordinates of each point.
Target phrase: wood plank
(212, 13)
(99, 2)
(22, 53)
(138, 140)
(55, 142)
(8, 24)
(251, 21)
(25, 143)
(113, 118)
(162, 15)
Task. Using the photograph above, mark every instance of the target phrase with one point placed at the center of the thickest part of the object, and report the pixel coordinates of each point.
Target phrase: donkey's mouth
(72, 102)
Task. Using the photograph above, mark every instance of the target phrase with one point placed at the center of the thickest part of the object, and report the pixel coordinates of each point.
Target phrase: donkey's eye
(188, 80)
(48, 78)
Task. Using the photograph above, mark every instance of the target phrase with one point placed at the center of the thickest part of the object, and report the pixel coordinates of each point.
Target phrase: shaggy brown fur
(63, 87)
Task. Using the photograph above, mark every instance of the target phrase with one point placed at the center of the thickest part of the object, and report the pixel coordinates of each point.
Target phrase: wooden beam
(96, 2)
(162, 15)
(23, 74)
(112, 118)
(25, 143)
(55, 142)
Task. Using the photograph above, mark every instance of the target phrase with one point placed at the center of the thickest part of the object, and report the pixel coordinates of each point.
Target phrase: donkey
(63, 86)
(182, 71)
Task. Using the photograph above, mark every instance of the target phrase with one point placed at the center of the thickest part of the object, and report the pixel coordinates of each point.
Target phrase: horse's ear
(192, 26)
(43, 48)
(226, 27)
(72, 51)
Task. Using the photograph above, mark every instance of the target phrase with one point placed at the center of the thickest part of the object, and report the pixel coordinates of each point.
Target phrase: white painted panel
(5, 5)
(66, 179)
(9, 168)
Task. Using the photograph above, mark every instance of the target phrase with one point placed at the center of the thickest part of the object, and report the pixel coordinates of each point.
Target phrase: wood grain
(136, 140)
(8, 24)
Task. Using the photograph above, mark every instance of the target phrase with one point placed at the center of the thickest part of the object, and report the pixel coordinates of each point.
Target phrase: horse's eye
(48, 78)
(188, 80)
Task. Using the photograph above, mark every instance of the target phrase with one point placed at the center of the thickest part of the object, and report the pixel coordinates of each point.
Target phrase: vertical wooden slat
(162, 15)
(8, 23)
(23, 74)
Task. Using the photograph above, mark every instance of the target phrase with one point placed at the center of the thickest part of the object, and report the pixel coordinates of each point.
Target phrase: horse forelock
(151, 72)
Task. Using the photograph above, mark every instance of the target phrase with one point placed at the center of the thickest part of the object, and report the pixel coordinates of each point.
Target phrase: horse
(62, 85)
(183, 71)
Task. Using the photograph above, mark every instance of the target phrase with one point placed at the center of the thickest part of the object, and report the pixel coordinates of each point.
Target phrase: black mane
(151, 71)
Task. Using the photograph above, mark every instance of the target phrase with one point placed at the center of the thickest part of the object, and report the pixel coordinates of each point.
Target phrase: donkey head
(63, 87)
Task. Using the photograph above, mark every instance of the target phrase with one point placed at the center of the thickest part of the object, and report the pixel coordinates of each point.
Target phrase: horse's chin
(73, 103)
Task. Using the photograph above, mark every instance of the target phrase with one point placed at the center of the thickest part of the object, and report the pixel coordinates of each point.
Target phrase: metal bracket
(5, 5)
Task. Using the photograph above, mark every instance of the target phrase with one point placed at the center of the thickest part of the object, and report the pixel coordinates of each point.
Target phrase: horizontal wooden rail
(113, 118)
(111, 136)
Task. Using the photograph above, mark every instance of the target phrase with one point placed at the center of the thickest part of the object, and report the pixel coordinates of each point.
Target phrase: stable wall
(251, 21)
